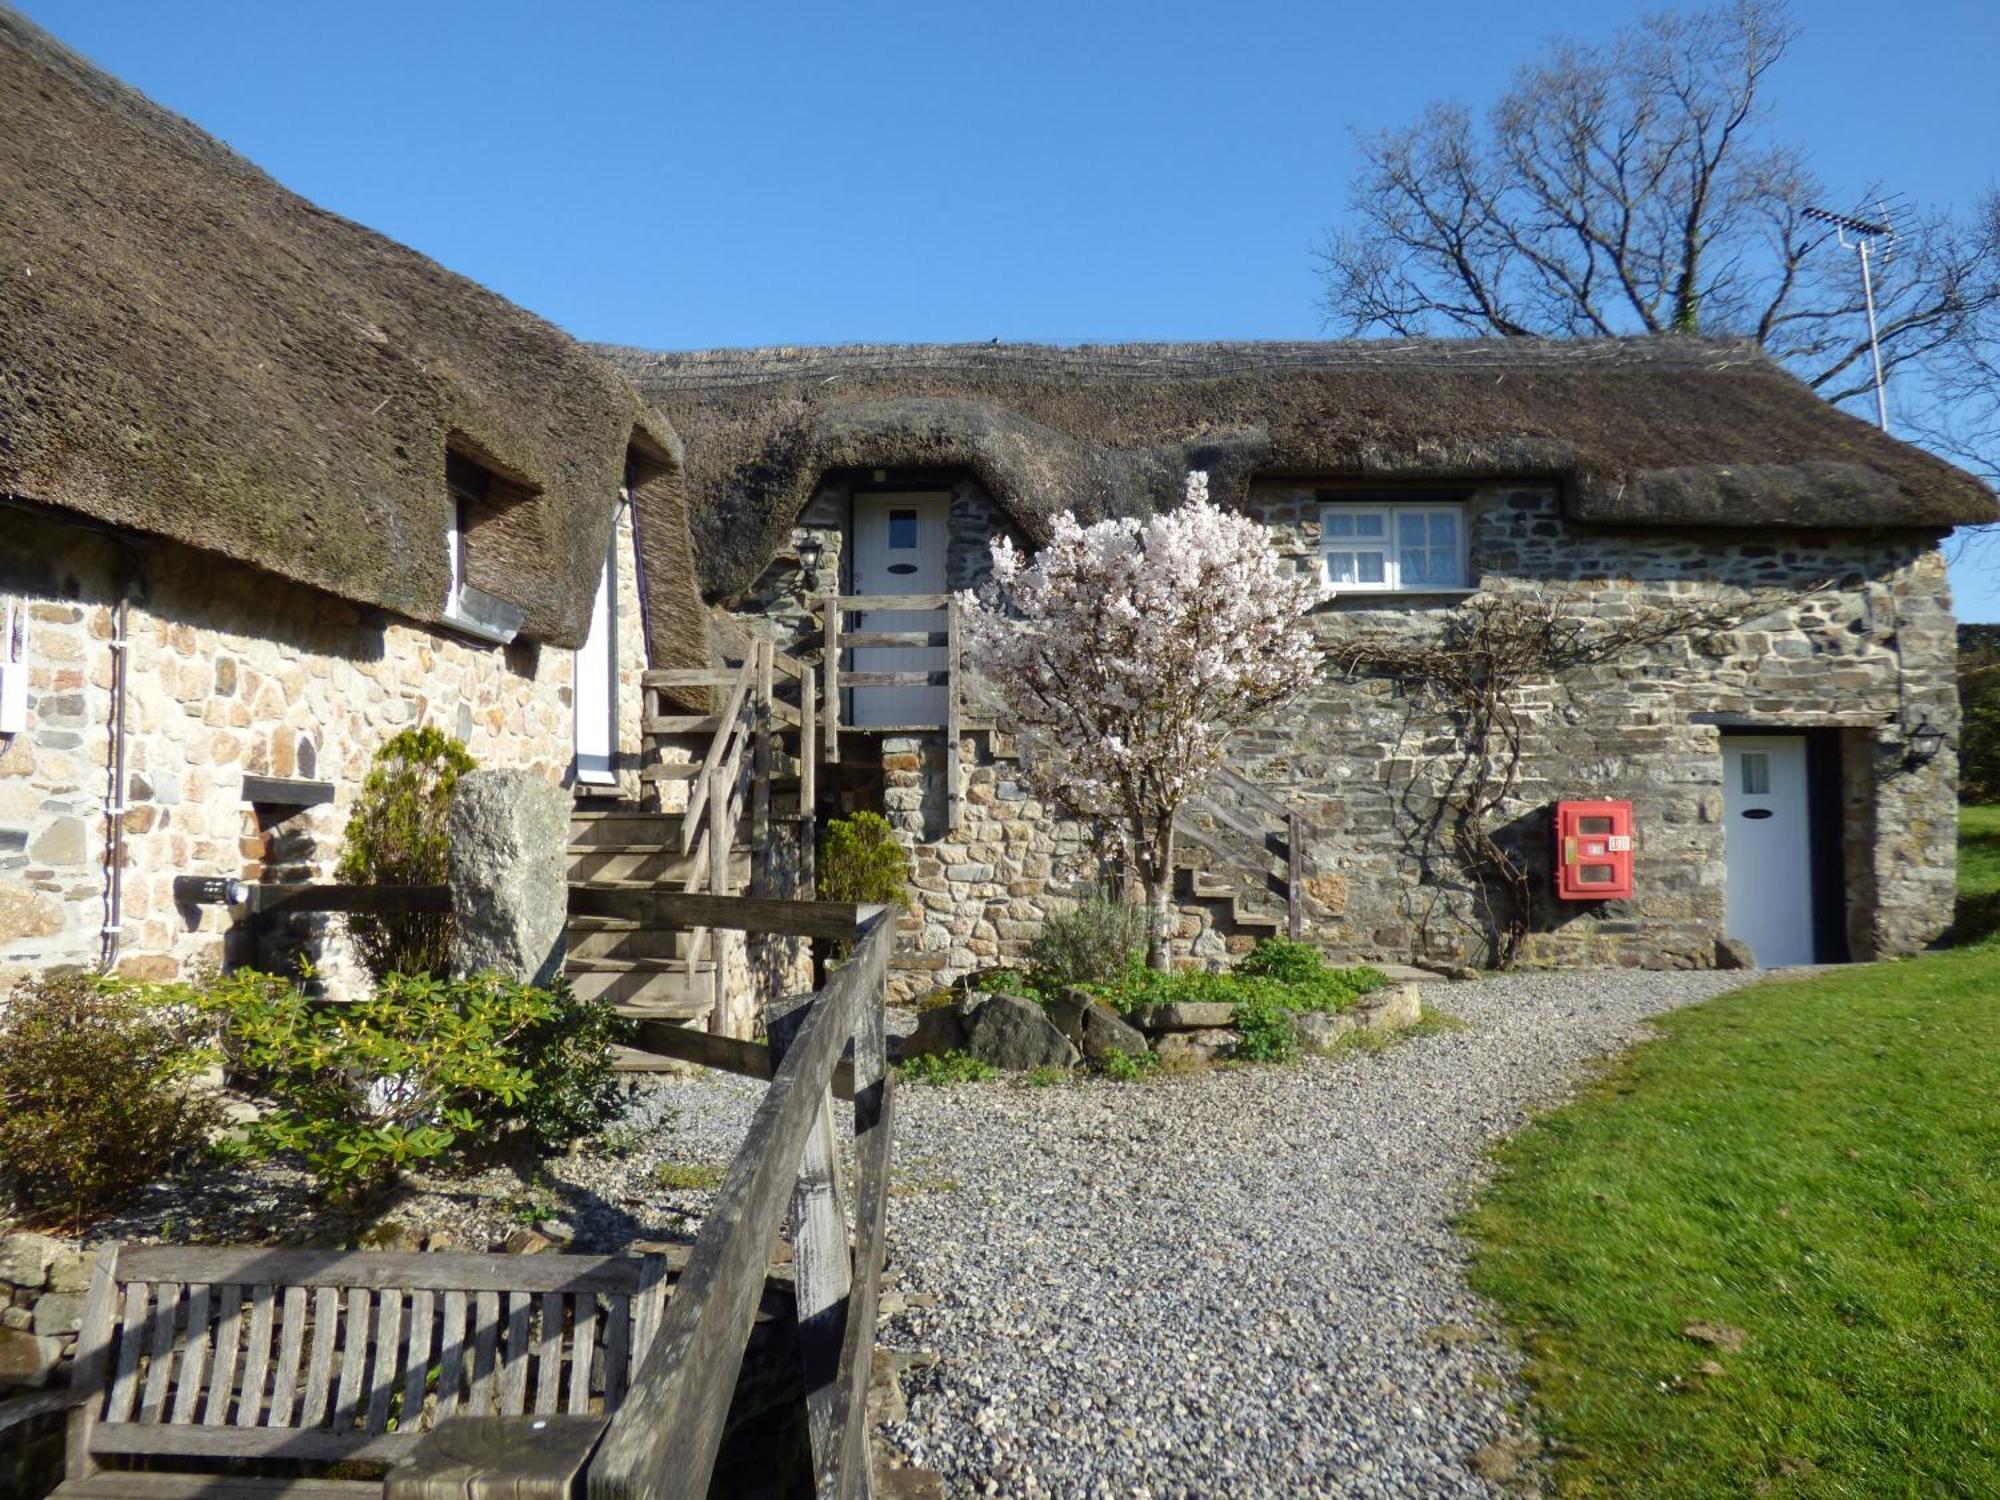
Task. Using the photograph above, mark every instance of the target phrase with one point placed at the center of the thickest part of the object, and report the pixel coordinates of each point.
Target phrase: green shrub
(1127, 1067)
(396, 836)
(1092, 942)
(860, 860)
(1276, 958)
(945, 1068)
(424, 1070)
(1258, 1002)
(95, 1093)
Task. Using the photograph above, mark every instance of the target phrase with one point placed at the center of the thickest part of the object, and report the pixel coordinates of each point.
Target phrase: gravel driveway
(1237, 1284)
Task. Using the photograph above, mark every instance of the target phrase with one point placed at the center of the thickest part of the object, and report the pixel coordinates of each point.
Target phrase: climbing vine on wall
(1473, 681)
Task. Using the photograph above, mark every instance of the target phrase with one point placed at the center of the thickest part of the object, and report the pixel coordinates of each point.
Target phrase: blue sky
(686, 175)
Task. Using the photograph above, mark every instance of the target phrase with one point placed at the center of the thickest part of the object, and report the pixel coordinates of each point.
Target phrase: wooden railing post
(1295, 855)
(952, 674)
(808, 784)
(719, 839)
(760, 773)
(830, 665)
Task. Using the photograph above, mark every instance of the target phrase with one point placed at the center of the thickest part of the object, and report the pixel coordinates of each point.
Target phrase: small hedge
(396, 835)
(97, 1094)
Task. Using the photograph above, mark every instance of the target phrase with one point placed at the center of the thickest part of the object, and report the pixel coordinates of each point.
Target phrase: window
(475, 499)
(902, 530)
(1756, 774)
(1384, 547)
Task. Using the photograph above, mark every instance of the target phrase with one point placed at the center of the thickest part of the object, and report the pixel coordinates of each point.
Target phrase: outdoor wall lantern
(812, 547)
(1923, 743)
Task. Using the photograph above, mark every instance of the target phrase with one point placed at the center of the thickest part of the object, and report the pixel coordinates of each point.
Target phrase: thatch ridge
(190, 350)
(1658, 431)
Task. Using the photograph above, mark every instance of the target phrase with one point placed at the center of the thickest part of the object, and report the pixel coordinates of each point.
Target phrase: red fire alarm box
(1593, 851)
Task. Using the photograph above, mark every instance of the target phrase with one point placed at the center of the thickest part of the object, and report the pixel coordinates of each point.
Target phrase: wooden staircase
(727, 791)
(643, 972)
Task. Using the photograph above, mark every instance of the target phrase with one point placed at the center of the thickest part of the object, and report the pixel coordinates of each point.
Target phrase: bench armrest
(18, 1411)
(524, 1458)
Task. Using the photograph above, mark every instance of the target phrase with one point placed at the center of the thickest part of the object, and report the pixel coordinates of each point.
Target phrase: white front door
(899, 548)
(596, 697)
(1767, 845)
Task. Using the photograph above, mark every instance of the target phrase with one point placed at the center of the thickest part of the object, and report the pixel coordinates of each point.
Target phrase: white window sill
(1398, 596)
(481, 616)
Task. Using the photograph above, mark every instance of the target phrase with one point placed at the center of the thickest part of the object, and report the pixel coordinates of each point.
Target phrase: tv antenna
(1865, 233)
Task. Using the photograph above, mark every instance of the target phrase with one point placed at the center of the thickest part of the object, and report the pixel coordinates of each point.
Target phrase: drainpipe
(114, 790)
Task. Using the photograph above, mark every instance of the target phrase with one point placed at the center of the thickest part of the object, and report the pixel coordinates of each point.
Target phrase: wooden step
(589, 963)
(683, 723)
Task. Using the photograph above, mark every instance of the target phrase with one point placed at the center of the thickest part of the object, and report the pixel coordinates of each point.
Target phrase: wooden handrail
(664, 1439)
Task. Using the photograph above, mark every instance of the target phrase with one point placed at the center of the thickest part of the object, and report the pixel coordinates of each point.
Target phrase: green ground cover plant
(421, 1071)
(1762, 1256)
(942, 1069)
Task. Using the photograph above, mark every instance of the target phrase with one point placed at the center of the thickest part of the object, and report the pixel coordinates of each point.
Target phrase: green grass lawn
(1815, 1163)
(1978, 872)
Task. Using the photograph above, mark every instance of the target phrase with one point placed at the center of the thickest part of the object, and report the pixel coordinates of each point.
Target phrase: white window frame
(1392, 513)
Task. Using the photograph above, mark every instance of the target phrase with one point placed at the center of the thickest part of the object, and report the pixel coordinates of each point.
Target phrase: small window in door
(1756, 773)
(902, 530)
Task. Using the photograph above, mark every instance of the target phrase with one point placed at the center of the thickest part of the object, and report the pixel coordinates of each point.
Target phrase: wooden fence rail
(662, 1444)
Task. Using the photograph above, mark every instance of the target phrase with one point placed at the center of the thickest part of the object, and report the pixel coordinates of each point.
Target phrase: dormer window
(467, 608)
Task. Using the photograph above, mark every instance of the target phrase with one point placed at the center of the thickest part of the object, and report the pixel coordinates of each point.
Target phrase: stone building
(273, 487)
(1791, 782)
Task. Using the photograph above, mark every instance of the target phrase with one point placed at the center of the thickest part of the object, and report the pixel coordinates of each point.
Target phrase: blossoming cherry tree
(1127, 652)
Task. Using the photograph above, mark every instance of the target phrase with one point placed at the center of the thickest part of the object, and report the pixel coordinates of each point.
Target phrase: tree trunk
(1157, 868)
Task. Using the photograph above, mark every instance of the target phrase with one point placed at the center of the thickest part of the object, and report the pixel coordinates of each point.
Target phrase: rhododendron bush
(1126, 653)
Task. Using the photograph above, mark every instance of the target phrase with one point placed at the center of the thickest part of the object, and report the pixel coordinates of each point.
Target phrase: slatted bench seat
(190, 1355)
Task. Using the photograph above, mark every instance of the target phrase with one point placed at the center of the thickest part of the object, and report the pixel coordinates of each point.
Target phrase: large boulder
(940, 1029)
(1005, 1031)
(1094, 1027)
(1212, 1044)
(509, 875)
(26, 1360)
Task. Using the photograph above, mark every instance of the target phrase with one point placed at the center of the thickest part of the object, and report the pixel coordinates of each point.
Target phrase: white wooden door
(899, 548)
(596, 697)
(1767, 845)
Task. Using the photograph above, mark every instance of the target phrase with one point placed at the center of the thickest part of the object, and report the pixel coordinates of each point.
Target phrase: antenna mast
(1865, 232)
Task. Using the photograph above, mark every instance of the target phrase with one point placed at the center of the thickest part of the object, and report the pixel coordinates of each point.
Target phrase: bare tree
(1960, 416)
(1635, 187)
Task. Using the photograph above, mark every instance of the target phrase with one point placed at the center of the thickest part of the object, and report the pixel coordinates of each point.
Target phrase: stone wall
(229, 672)
(1857, 640)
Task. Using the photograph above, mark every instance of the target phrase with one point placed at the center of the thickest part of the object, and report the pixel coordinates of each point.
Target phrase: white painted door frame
(1767, 845)
(900, 540)
(595, 684)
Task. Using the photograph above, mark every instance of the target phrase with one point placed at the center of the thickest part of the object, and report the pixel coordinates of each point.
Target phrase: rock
(1009, 1032)
(559, 1230)
(509, 874)
(1734, 953)
(1462, 973)
(1318, 1030)
(939, 1029)
(1209, 1045)
(59, 1314)
(1104, 1033)
(1390, 1009)
(1189, 1016)
(27, 914)
(1094, 1027)
(25, 1259)
(26, 1360)
(440, 1239)
(17, 1318)
(1716, 1335)
(526, 1242)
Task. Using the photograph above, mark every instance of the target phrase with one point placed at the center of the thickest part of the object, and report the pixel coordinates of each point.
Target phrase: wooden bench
(305, 1360)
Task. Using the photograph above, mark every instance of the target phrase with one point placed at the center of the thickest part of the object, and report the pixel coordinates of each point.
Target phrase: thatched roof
(189, 350)
(1648, 432)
